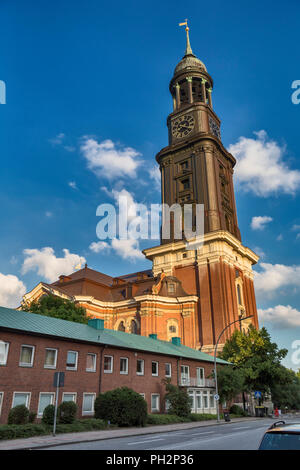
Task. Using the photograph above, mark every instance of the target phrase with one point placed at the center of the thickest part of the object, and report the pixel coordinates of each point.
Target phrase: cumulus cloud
(109, 160)
(72, 184)
(260, 222)
(58, 139)
(12, 290)
(47, 265)
(98, 247)
(260, 166)
(281, 316)
(155, 176)
(275, 276)
(127, 249)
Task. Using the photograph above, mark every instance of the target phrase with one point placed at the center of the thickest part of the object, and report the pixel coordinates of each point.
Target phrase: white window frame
(185, 378)
(143, 367)
(26, 364)
(154, 374)
(88, 412)
(111, 363)
(169, 364)
(70, 393)
(51, 367)
(198, 395)
(143, 395)
(95, 362)
(205, 395)
(27, 404)
(70, 367)
(1, 400)
(6, 345)
(51, 403)
(158, 401)
(200, 381)
(126, 371)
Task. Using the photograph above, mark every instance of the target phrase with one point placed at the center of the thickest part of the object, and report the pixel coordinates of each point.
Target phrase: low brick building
(94, 360)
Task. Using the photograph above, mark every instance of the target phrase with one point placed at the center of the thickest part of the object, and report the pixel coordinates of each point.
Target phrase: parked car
(281, 436)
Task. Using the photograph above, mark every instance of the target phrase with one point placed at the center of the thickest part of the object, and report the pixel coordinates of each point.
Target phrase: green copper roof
(32, 323)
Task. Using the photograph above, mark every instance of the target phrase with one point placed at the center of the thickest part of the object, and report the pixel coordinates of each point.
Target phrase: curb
(135, 432)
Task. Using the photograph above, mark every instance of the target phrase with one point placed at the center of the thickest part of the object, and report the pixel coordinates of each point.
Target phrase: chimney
(153, 336)
(176, 341)
(96, 323)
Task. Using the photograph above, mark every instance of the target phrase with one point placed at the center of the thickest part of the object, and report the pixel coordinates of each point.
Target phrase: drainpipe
(101, 366)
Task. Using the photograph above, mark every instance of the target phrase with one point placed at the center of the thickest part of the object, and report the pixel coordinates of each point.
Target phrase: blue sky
(80, 74)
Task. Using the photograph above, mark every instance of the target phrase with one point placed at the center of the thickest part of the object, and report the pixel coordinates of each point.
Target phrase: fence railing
(196, 382)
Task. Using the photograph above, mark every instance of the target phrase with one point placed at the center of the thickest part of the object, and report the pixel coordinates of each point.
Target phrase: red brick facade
(38, 379)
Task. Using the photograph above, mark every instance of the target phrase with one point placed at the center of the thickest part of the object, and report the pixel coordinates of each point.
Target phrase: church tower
(197, 169)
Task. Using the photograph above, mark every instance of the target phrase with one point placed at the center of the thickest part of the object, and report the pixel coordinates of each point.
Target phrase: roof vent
(96, 323)
(176, 341)
(153, 336)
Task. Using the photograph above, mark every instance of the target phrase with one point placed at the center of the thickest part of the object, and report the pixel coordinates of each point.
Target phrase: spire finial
(188, 45)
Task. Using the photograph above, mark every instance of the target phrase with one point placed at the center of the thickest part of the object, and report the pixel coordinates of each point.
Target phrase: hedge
(13, 431)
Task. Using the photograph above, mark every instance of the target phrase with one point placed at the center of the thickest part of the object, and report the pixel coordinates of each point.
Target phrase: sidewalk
(76, 437)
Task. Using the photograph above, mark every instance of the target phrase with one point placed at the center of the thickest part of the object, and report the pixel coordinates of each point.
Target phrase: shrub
(202, 416)
(48, 415)
(15, 431)
(67, 412)
(154, 419)
(18, 415)
(237, 410)
(180, 402)
(122, 406)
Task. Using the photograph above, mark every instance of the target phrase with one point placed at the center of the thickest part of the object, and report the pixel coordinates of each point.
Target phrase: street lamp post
(215, 359)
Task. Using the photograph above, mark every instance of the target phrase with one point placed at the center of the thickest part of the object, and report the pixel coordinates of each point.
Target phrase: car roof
(289, 428)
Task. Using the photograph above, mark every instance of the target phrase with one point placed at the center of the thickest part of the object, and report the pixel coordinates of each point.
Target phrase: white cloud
(72, 184)
(259, 251)
(100, 246)
(156, 176)
(127, 249)
(57, 140)
(280, 316)
(11, 290)
(106, 159)
(260, 166)
(295, 228)
(47, 265)
(280, 237)
(48, 214)
(260, 222)
(276, 276)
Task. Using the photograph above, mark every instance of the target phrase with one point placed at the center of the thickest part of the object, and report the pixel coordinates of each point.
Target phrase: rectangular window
(171, 288)
(154, 402)
(45, 400)
(205, 399)
(21, 398)
(91, 362)
(198, 400)
(88, 403)
(124, 365)
(108, 364)
(185, 184)
(143, 395)
(50, 358)
(154, 368)
(185, 375)
(168, 370)
(3, 353)
(26, 356)
(69, 397)
(200, 376)
(192, 398)
(212, 403)
(1, 401)
(140, 363)
(72, 359)
(167, 405)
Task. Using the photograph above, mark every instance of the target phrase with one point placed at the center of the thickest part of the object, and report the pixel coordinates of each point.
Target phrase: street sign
(59, 379)
(217, 397)
(257, 394)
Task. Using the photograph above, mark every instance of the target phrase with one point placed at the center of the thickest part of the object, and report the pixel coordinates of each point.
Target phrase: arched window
(133, 327)
(239, 294)
(121, 326)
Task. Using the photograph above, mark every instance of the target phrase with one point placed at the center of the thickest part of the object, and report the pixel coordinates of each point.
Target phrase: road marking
(199, 433)
(148, 440)
(242, 427)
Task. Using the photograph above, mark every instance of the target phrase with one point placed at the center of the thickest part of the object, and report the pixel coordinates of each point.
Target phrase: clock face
(214, 127)
(183, 126)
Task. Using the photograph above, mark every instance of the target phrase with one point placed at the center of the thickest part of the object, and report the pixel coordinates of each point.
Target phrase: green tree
(178, 398)
(56, 307)
(257, 357)
(287, 393)
(231, 382)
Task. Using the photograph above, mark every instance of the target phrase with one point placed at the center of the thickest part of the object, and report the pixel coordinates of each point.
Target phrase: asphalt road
(244, 435)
